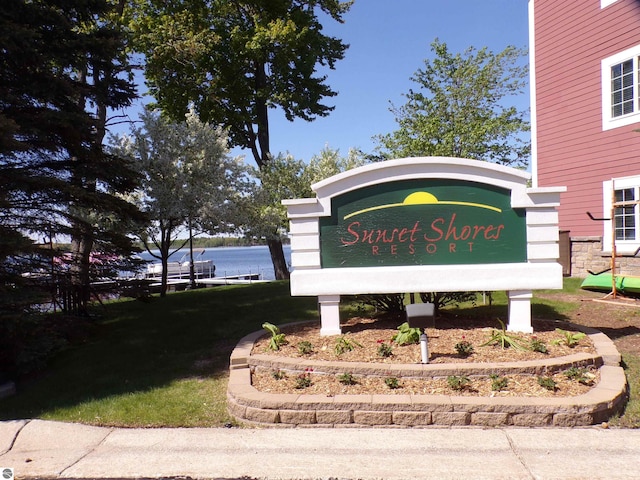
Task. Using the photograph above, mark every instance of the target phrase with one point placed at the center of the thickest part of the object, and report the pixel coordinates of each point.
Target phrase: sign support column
(520, 311)
(329, 306)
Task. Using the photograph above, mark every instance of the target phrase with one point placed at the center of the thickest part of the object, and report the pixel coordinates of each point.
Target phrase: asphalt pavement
(46, 449)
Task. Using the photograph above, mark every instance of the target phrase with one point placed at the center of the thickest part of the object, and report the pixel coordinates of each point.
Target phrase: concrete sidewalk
(37, 449)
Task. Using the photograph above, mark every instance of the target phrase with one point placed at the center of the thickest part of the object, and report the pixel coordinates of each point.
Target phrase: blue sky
(389, 41)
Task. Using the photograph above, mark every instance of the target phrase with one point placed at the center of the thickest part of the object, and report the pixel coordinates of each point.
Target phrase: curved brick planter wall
(247, 404)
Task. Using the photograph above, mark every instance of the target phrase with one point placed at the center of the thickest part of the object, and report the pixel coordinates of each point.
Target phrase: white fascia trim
(606, 3)
(532, 95)
(426, 278)
(420, 167)
(623, 247)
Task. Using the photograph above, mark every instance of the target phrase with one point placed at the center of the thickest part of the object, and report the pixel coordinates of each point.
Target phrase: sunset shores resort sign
(430, 224)
(422, 222)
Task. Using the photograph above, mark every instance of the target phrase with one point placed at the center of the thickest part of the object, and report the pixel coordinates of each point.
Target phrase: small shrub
(304, 379)
(384, 349)
(277, 339)
(344, 344)
(305, 347)
(548, 383)
(29, 340)
(278, 374)
(579, 375)
(391, 302)
(407, 335)
(570, 339)
(537, 345)
(464, 348)
(458, 382)
(392, 383)
(498, 383)
(443, 299)
(347, 379)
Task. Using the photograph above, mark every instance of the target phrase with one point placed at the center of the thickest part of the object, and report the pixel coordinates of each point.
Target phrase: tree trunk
(277, 258)
(81, 246)
(165, 244)
(192, 267)
(262, 157)
(164, 276)
(82, 236)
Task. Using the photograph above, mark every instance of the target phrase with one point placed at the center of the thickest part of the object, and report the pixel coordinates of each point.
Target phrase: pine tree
(59, 58)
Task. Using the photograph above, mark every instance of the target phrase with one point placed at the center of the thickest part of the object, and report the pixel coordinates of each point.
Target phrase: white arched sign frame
(539, 270)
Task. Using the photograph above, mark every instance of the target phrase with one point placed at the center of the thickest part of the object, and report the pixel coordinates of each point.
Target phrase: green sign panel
(423, 222)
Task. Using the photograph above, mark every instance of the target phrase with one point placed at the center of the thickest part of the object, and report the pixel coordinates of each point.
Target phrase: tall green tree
(329, 162)
(236, 61)
(52, 169)
(284, 177)
(189, 181)
(463, 106)
(104, 70)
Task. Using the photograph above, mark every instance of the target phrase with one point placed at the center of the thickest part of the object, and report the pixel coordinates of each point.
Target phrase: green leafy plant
(548, 383)
(392, 382)
(407, 335)
(277, 339)
(580, 375)
(458, 382)
(384, 349)
(304, 379)
(570, 339)
(504, 339)
(278, 374)
(464, 348)
(537, 345)
(344, 344)
(305, 347)
(498, 383)
(347, 379)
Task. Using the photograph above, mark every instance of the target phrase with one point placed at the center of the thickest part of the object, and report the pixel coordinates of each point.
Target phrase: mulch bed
(366, 335)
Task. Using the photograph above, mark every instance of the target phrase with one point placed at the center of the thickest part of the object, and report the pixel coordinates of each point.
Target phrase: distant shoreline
(200, 242)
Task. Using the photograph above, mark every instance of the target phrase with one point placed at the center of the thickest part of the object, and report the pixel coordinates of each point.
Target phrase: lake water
(232, 260)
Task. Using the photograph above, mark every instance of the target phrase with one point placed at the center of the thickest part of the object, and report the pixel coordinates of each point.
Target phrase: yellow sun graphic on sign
(422, 198)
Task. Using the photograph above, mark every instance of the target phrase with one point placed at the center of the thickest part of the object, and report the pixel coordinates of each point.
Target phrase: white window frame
(623, 247)
(606, 3)
(608, 120)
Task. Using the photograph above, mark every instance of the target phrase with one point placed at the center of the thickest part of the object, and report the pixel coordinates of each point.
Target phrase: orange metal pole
(614, 290)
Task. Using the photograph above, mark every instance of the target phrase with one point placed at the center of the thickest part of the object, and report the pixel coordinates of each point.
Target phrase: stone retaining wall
(247, 404)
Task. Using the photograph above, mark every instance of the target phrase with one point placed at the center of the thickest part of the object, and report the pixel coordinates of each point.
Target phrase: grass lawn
(165, 363)
(162, 363)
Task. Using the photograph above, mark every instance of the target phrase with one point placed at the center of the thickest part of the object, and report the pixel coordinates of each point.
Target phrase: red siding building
(585, 112)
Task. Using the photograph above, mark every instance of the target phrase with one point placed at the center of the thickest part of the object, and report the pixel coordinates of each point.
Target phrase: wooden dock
(240, 279)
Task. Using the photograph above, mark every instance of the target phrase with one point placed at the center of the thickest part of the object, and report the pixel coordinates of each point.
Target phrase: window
(621, 89)
(625, 213)
(625, 192)
(622, 97)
